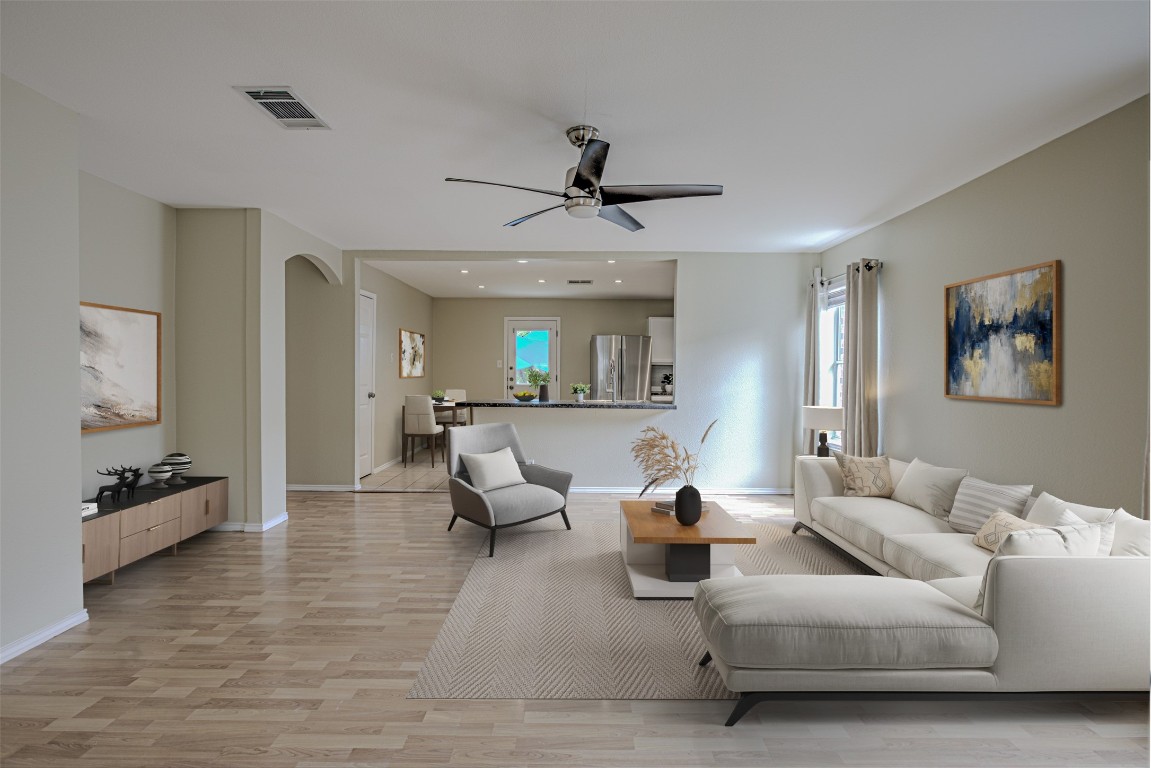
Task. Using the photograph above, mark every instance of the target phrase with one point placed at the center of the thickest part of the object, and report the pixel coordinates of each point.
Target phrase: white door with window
(530, 342)
(366, 385)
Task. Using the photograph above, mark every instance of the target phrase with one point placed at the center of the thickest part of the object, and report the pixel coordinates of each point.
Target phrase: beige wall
(469, 338)
(211, 346)
(320, 393)
(40, 571)
(1081, 199)
(398, 305)
(128, 259)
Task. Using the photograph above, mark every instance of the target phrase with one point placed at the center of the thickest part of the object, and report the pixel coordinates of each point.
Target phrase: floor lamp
(824, 419)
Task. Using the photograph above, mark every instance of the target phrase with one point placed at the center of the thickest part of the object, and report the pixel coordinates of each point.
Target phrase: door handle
(371, 395)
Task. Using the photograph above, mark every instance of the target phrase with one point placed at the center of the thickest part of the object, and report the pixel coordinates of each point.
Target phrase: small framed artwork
(411, 354)
(1003, 337)
(119, 367)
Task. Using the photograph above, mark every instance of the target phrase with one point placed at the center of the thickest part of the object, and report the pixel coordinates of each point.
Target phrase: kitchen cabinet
(662, 332)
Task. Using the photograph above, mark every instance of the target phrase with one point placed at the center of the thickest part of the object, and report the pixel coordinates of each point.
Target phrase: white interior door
(366, 385)
(531, 341)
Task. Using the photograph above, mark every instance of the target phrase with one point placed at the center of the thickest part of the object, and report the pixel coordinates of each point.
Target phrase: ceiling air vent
(281, 104)
(579, 282)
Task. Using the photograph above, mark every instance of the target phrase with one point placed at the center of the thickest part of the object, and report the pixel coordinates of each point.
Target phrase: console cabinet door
(101, 553)
(193, 511)
(217, 499)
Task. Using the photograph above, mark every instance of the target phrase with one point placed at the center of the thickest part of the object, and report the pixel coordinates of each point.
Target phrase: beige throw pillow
(865, 476)
(1001, 523)
(929, 488)
(489, 471)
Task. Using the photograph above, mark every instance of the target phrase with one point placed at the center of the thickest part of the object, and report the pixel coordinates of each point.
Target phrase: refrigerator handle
(611, 378)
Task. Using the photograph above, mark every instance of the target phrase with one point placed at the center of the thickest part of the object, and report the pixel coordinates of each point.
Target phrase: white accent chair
(419, 420)
(544, 493)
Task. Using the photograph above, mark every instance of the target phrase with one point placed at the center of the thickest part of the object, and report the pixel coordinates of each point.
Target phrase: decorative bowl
(159, 473)
(180, 463)
(524, 397)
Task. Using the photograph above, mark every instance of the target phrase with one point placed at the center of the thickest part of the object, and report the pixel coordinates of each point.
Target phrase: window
(831, 349)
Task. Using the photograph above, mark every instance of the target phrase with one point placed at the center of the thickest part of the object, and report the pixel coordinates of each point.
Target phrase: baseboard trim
(28, 642)
(704, 491)
(261, 527)
(229, 526)
(385, 465)
(323, 488)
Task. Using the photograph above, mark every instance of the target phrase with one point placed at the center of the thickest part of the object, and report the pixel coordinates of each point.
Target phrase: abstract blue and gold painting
(1003, 336)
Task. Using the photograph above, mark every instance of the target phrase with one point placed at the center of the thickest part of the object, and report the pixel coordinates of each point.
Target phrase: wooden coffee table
(665, 560)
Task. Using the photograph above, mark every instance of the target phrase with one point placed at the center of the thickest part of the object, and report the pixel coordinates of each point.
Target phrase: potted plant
(666, 381)
(438, 395)
(579, 390)
(662, 459)
(540, 379)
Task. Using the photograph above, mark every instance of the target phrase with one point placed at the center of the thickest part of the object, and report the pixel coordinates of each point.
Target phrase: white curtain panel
(861, 360)
(811, 360)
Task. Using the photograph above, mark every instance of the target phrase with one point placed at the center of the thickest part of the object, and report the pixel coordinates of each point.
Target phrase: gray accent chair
(545, 492)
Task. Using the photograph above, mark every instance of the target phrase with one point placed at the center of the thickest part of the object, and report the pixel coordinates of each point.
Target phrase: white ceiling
(822, 119)
(520, 276)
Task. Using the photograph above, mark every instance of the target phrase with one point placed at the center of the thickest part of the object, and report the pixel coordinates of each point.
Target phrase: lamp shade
(820, 418)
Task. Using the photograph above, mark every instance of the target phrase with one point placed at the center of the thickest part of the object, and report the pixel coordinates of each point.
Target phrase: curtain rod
(868, 264)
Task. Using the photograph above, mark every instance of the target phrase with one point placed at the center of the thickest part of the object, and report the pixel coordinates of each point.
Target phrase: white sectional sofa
(1046, 623)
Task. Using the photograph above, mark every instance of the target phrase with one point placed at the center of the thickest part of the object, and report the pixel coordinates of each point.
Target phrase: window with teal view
(531, 352)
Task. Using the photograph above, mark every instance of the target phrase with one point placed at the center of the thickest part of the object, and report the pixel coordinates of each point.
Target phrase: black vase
(688, 505)
(543, 393)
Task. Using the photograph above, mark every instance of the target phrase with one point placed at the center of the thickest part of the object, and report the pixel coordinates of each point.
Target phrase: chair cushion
(927, 556)
(489, 471)
(866, 521)
(522, 502)
(840, 622)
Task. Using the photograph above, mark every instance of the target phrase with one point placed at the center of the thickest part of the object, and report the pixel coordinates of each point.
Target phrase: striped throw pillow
(976, 500)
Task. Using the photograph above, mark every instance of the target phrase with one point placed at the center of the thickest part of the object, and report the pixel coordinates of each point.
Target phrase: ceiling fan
(583, 196)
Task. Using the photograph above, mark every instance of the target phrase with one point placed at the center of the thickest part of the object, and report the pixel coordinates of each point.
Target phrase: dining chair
(457, 417)
(419, 420)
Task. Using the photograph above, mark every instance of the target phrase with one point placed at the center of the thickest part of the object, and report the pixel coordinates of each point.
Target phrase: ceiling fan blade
(638, 193)
(617, 215)
(522, 219)
(510, 186)
(590, 167)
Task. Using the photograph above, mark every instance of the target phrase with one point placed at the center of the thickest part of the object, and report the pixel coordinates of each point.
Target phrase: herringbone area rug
(551, 616)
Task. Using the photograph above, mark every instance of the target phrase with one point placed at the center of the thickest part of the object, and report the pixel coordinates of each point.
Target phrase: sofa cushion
(976, 500)
(991, 535)
(1132, 535)
(839, 622)
(522, 502)
(1048, 509)
(867, 521)
(929, 487)
(865, 475)
(927, 556)
(962, 589)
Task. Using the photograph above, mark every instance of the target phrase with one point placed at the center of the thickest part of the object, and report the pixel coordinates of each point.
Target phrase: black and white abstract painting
(119, 367)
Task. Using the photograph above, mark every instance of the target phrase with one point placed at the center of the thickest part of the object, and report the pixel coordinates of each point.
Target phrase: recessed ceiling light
(619, 281)
(541, 281)
(463, 271)
(611, 261)
(521, 261)
(480, 286)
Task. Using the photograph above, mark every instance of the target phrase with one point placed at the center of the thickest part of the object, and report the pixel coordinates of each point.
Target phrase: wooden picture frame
(412, 354)
(1002, 335)
(120, 367)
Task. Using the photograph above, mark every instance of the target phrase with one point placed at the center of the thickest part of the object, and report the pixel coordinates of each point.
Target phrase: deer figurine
(115, 488)
(133, 475)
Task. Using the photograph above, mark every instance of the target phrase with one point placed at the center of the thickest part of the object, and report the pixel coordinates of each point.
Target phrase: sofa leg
(564, 513)
(453, 522)
(743, 706)
(492, 543)
(706, 659)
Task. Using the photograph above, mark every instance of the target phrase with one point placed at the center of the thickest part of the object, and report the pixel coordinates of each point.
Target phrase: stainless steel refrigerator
(620, 367)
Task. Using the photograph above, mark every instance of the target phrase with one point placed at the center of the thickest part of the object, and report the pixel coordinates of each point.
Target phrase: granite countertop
(634, 405)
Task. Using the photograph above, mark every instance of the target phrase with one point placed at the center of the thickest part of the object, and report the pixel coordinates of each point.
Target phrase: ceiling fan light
(582, 207)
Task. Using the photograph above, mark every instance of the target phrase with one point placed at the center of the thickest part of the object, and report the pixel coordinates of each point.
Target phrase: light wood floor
(418, 476)
(296, 648)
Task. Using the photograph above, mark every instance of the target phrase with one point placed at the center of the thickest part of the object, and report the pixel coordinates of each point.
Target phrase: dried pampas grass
(662, 459)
